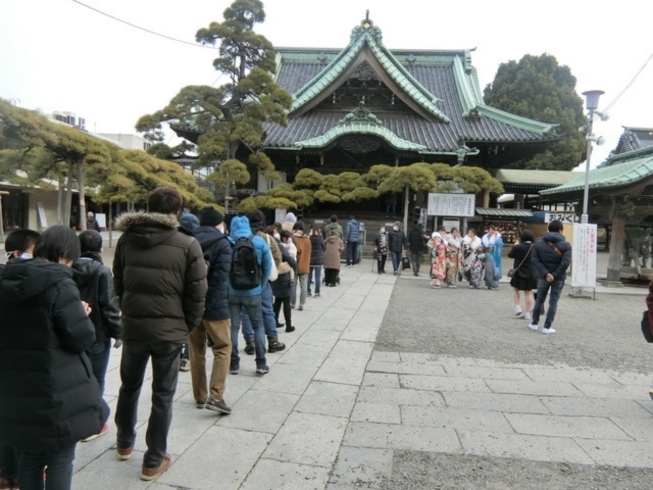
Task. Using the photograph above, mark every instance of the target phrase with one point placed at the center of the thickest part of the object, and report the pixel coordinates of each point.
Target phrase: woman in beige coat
(334, 247)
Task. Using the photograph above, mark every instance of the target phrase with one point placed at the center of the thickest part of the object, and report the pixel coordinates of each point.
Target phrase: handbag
(646, 328)
(511, 272)
(405, 263)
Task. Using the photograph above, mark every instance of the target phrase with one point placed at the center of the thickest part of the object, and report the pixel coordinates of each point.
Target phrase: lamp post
(592, 104)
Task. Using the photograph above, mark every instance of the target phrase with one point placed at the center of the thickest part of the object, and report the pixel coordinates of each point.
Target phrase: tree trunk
(60, 211)
(617, 239)
(82, 196)
(406, 206)
(69, 194)
(2, 224)
(110, 225)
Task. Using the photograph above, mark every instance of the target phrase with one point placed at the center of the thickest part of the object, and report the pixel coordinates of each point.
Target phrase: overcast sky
(59, 55)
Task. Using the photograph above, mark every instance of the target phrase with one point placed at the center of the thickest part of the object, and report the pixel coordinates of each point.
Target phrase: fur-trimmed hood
(149, 229)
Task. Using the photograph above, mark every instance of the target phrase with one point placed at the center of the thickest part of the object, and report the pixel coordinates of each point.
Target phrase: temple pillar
(617, 240)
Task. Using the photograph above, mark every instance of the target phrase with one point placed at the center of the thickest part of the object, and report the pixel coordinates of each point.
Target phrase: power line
(143, 28)
(629, 84)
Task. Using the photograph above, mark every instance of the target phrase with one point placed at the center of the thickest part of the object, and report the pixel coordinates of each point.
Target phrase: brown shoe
(149, 474)
(124, 453)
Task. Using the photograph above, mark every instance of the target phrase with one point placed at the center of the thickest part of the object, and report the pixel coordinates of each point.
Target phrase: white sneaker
(518, 311)
(548, 331)
(528, 316)
(533, 327)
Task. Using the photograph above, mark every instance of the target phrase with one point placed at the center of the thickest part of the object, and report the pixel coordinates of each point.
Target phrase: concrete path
(332, 411)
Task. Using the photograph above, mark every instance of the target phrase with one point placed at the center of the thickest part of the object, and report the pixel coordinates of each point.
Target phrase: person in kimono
(438, 250)
(454, 257)
(492, 245)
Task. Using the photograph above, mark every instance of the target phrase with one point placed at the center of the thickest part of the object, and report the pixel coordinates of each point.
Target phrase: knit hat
(291, 218)
(209, 216)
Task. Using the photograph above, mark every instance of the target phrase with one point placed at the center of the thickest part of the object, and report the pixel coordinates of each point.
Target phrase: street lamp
(592, 104)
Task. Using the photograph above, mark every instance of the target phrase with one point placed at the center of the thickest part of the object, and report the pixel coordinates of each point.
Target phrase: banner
(563, 217)
(583, 256)
(451, 205)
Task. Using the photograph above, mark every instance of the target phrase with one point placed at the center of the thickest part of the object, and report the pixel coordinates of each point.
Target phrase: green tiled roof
(626, 168)
(360, 121)
(386, 59)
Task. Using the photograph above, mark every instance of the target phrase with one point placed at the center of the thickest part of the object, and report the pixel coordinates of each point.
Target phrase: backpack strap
(555, 249)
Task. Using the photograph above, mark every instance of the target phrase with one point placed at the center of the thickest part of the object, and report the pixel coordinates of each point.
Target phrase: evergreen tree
(539, 88)
(230, 117)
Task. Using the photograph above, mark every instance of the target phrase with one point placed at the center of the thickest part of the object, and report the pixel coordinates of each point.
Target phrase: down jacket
(160, 278)
(217, 250)
(95, 284)
(547, 261)
(317, 250)
(49, 398)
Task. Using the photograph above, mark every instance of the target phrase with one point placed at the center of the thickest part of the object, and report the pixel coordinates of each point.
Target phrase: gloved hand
(117, 344)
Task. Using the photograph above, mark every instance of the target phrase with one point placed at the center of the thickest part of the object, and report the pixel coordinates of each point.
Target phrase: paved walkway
(332, 412)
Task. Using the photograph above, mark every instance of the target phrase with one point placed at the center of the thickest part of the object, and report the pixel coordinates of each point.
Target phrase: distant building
(127, 141)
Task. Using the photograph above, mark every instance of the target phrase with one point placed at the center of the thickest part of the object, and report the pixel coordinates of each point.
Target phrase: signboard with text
(583, 256)
(564, 217)
(451, 205)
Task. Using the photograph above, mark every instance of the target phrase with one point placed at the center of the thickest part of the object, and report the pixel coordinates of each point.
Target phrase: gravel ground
(603, 334)
(479, 324)
(433, 471)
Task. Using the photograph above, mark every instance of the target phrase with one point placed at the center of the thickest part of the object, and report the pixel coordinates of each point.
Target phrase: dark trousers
(380, 262)
(8, 462)
(99, 354)
(416, 260)
(252, 305)
(165, 371)
(396, 260)
(287, 310)
(351, 252)
(331, 276)
(59, 473)
(543, 288)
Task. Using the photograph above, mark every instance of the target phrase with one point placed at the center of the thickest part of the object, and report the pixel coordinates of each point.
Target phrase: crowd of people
(181, 284)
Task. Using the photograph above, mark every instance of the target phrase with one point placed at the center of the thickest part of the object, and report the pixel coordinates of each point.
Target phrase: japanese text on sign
(451, 204)
(584, 256)
(563, 217)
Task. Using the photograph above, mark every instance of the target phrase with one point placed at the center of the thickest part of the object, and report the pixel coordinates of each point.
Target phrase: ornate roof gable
(366, 46)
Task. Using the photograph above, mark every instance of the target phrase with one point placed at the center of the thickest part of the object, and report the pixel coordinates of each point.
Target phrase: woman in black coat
(317, 258)
(50, 398)
(524, 276)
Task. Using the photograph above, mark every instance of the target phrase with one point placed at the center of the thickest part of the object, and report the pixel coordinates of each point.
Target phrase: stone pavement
(332, 411)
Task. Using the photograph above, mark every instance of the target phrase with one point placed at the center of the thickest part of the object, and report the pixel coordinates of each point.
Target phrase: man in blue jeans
(351, 238)
(551, 257)
(250, 299)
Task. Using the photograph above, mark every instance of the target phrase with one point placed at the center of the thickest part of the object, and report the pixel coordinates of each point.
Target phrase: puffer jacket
(303, 245)
(317, 250)
(49, 398)
(547, 261)
(217, 250)
(160, 278)
(95, 284)
(396, 241)
(352, 231)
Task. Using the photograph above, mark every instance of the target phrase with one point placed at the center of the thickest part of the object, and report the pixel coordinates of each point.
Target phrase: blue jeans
(351, 252)
(99, 354)
(253, 306)
(269, 321)
(317, 270)
(543, 288)
(165, 371)
(396, 260)
(59, 474)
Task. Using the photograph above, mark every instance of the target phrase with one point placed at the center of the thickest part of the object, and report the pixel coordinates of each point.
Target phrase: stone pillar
(617, 238)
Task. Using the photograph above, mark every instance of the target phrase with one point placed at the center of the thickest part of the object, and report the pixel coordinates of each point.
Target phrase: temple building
(365, 105)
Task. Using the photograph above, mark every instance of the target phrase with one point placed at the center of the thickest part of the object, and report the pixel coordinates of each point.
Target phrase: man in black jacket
(216, 322)
(396, 245)
(95, 284)
(551, 257)
(160, 280)
(416, 243)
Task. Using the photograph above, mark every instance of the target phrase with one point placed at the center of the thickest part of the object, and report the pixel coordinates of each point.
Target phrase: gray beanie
(291, 218)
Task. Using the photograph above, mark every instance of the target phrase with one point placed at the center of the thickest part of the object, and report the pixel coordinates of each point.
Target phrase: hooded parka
(49, 398)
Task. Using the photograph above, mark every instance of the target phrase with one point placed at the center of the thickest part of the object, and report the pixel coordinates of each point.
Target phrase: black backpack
(245, 270)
